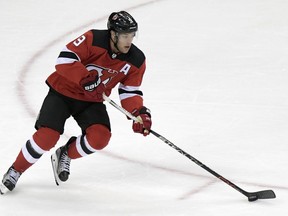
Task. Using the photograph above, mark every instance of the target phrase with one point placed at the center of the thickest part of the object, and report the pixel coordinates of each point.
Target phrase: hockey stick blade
(266, 194)
(252, 196)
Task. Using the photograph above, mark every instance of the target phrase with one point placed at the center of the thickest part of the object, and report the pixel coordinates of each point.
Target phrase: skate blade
(3, 189)
(54, 162)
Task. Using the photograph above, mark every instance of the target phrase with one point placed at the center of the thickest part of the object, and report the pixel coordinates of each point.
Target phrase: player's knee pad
(98, 136)
(46, 138)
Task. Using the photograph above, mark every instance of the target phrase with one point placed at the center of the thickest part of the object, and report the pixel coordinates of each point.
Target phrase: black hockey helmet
(122, 22)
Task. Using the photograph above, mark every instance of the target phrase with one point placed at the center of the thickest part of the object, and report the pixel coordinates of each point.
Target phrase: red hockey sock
(43, 140)
(97, 137)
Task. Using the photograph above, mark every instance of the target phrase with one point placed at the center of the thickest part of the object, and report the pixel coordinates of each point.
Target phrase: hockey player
(86, 68)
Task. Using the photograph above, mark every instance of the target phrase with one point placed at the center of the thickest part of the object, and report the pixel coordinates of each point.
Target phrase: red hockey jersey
(92, 52)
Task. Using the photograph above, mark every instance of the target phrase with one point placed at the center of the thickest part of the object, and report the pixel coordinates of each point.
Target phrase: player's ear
(113, 35)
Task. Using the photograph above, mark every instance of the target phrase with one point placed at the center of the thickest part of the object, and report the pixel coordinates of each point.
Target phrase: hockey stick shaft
(267, 194)
(252, 196)
(199, 163)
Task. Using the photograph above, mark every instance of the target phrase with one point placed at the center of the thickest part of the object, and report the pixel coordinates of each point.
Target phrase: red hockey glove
(145, 122)
(93, 87)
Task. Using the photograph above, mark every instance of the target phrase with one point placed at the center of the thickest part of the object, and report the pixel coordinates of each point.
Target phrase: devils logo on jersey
(105, 74)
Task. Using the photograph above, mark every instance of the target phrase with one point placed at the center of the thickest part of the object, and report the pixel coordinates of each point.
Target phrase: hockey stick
(252, 196)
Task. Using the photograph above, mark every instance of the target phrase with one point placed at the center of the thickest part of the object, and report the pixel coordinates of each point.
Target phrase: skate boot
(9, 180)
(61, 162)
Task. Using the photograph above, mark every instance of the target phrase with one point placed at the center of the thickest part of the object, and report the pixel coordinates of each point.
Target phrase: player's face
(125, 41)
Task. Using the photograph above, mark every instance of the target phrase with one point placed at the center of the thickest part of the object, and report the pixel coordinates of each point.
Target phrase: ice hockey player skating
(87, 67)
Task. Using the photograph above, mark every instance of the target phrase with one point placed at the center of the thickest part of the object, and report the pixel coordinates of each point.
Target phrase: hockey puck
(252, 198)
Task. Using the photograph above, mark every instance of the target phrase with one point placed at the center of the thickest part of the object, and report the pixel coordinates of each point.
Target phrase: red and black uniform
(90, 53)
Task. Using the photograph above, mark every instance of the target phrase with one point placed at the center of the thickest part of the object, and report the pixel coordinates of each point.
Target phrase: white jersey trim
(36, 148)
(86, 143)
(63, 60)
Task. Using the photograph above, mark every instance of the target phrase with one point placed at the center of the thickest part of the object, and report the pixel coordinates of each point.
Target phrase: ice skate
(9, 180)
(61, 162)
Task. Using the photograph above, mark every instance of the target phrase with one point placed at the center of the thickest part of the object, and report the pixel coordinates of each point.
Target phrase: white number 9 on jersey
(79, 40)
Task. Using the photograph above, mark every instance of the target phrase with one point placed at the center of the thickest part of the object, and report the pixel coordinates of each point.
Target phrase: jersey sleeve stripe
(129, 91)
(122, 91)
(65, 61)
(66, 54)
(128, 88)
(128, 95)
(123, 94)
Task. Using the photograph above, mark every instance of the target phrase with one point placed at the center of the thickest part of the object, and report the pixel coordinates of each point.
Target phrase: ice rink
(217, 86)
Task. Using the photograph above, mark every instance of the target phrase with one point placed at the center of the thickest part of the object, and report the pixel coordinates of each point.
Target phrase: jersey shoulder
(100, 38)
(135, 56)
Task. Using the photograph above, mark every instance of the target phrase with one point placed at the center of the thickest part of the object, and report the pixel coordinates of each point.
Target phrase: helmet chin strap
(115, 43)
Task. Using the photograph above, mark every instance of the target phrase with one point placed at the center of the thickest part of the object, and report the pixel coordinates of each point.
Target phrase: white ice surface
(216, 83)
